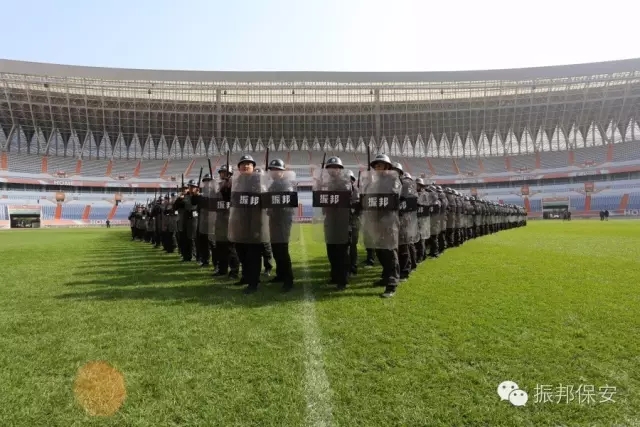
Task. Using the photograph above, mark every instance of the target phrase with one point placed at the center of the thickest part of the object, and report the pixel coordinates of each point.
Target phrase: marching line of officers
(238, 221)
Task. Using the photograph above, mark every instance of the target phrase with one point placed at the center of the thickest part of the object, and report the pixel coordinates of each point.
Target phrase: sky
(327, 35)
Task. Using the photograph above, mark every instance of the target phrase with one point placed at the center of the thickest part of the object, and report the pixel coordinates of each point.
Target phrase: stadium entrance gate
(24, 216)
(554, 207)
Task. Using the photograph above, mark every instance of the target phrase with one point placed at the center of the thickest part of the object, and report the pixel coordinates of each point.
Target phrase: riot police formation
(239, 217)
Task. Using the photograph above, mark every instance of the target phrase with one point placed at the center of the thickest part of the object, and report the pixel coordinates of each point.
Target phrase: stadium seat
(626, 151)
(605, 202)
(72, 211)
(554, 160)
(99, 212)
(63, 164)
(25, 163)
(590, 155)
(48, 212)
(494, 165)
(576, 203)
(634, 200)
(151, 169)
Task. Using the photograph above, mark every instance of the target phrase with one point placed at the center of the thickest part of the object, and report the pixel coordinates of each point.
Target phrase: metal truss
(86, 117)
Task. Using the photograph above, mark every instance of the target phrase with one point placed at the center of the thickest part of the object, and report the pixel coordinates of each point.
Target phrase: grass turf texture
(553, 303)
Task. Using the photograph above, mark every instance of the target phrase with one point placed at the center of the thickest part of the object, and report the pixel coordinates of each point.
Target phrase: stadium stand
(494, 165)
(605, 201)
(553, 160)
(634, 200)
(72, 211)
(525, 162)
(4, 215)
(590, 156)
(99, 212)
(47, 212)
(151, 169)
(625, 152)
(339, 121)
(25, 163)
(65, 165)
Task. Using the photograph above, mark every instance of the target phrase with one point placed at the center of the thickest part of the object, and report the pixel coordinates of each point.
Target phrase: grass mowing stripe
(317, 387)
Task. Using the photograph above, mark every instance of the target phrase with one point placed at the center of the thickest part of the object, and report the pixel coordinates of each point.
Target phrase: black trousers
(281, 256)
(133, 232)
(188, 246)
(442, 242)
(267, 256)
(250, 255)
(206, 248)
(170, 241)
(370, 256)
(338, 255)
(390, 266)
(227, 257)
(353, 248)
(404, 261)
(434, 247)
(421, 250)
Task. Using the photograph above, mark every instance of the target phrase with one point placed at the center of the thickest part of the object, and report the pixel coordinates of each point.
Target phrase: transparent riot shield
(208, 201)
(408, 211)
(280, 202)
(331, 206)
(247, 220)
(424, 223)
(380, 198)
(222, 207)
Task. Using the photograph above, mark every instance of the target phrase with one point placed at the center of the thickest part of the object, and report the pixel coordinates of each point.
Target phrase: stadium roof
(309, 87)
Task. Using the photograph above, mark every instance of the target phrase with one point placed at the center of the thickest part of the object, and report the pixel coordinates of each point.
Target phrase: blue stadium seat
(576, 203)
(99, 213)
(48, 212)
(72, 212)
(605, 202)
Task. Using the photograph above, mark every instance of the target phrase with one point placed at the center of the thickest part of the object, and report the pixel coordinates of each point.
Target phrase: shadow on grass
(126, 270)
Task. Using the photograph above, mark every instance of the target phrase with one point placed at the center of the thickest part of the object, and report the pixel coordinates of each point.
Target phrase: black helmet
(420, 181)
(472, 199)
(438, 189)
(334, 162)
(407, 175)
(206, 178)
(246, 159)
(448, 190)
(351, 175)
(224, 168)
(466, 198)
(397, 166)
(192, 183)
(431, 188)
(276, 164)
(381, 158)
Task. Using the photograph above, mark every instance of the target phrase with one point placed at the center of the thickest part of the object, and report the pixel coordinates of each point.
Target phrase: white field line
(316, 386)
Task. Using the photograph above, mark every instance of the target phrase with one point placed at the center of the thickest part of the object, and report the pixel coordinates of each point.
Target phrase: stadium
(98, 329)
(87, 143)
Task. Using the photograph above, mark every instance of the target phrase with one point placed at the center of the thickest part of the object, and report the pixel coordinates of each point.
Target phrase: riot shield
(222, 206)
(280, 202)
(331, 205)
(247, 219)
(424, 220)
(209, 197)
(408, 213)
(380, 206)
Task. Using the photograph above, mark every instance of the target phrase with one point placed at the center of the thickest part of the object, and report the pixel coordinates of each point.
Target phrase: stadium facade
(70, 126)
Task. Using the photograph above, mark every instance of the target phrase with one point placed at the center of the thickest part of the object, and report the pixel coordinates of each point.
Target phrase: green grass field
(550, 304)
